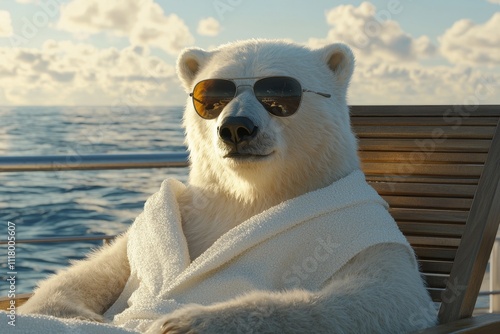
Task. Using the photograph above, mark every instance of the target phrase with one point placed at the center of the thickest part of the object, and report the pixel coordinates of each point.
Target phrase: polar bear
(273, 126)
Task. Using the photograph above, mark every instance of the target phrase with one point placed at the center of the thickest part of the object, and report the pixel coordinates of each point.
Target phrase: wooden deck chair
(439, 169)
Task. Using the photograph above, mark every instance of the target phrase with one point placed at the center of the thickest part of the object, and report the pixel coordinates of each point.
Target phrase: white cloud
(474, 44)
(5, 24)
(372, 34)
(209, 27)
(68, 73)
(389, 68)
(411, 83)
(495, 1)
(143, 22)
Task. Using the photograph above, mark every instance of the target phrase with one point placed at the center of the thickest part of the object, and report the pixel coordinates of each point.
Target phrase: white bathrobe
(300, 243)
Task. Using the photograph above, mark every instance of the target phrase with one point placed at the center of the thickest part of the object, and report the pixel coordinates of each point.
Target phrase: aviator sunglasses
(280, 95)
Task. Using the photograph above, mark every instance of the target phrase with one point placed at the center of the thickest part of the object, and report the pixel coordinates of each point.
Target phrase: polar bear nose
(235, 130)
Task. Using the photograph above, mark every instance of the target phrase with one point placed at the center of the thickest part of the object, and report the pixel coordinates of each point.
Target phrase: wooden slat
(436, 281)
(430, 110)
(436, 267)
(423, 157)
(428, 202)
(427, 189)
(423, 132)
(424, 145)
(434, 229)
(468, 170)
(435, 294)
(438, 180)
(426, 120)
(428, 215)
(435, 253)
(433, 241)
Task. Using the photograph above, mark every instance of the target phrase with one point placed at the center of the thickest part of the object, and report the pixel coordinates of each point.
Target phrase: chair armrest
(482, 324)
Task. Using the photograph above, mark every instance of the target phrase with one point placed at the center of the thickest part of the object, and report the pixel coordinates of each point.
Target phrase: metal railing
(160, 160)
(92, 162)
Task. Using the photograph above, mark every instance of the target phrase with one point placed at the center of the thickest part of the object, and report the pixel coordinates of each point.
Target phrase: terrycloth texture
(300, 243)
(41, 324)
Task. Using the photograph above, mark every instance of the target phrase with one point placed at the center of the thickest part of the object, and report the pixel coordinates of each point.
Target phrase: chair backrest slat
(425, 145)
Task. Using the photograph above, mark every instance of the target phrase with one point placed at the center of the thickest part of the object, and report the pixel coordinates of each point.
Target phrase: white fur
(378, 291)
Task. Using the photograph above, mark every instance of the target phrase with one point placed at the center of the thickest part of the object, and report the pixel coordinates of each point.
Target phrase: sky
(108, 52)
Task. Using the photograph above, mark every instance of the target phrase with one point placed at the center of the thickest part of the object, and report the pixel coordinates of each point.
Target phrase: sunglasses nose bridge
(247, 86)
(243, 101)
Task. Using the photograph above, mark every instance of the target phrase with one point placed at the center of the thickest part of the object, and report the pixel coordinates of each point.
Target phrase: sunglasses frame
(303, 90)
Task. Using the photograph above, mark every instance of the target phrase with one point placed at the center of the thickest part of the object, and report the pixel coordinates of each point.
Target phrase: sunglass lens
(279, 95)
(211, 96)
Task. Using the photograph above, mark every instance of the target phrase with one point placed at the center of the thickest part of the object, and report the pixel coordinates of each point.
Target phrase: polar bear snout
(236, 130)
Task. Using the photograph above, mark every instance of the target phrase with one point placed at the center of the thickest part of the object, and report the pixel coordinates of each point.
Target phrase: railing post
(495, 277)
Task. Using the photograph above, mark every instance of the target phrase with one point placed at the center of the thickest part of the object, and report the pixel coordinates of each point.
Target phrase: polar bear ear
(340, 60)
(189, 64)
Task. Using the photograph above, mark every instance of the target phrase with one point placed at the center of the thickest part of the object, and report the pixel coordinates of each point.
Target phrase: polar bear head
(243, 147)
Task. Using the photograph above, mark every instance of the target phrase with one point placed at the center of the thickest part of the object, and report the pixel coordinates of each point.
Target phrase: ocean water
(73, 203)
